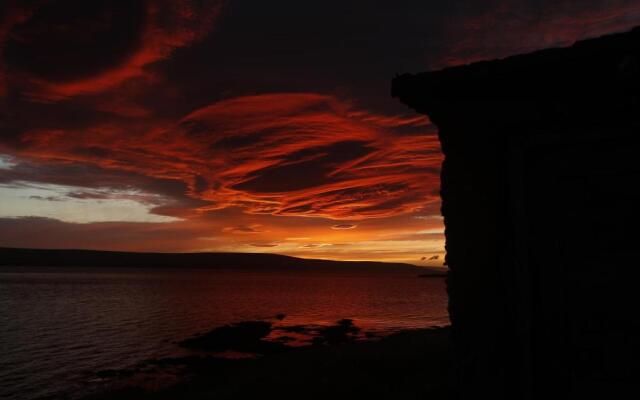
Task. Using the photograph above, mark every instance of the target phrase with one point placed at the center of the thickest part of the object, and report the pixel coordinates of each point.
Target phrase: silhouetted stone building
(540, 191)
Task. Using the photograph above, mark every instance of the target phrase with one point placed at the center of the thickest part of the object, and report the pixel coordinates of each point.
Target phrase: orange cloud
(243, 229)
(344, 226)
(299, 154)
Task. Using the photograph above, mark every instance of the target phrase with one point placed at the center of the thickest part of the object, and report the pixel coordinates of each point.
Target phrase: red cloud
(94, 46)
(300, 154)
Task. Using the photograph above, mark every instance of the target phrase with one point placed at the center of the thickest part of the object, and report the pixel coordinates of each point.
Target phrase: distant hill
(245, 261)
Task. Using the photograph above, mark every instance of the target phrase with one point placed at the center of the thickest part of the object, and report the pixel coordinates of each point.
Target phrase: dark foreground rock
(413, 364)
(246, 336)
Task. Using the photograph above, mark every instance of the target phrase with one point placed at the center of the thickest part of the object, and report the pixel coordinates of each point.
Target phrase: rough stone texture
(540, 199)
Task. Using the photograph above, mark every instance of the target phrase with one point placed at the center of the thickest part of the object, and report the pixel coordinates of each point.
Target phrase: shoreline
(407, 364)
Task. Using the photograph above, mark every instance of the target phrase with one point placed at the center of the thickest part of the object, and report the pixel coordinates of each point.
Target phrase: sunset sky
(243, 125)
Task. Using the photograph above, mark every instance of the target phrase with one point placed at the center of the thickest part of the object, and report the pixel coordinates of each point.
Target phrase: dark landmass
(411, 364)
(251, 261)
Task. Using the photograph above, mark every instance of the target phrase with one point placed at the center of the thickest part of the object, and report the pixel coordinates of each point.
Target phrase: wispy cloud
(282, 154)
(344, 226)
(243, 229)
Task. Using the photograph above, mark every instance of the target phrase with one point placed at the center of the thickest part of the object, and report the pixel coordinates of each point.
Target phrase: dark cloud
(89, 181)
(69, 40)
(51, 233)
(499, 28)
(57, 49)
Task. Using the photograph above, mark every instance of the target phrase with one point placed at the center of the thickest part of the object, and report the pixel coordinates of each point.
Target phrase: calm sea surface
(58, 327)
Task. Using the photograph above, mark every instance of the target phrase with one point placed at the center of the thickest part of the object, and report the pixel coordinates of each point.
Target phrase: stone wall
(541, 196)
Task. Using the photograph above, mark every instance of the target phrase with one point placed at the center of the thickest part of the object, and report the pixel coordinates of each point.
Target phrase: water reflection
(59, 326)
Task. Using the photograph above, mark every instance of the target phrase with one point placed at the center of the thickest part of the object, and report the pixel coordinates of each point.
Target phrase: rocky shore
(254, 359)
